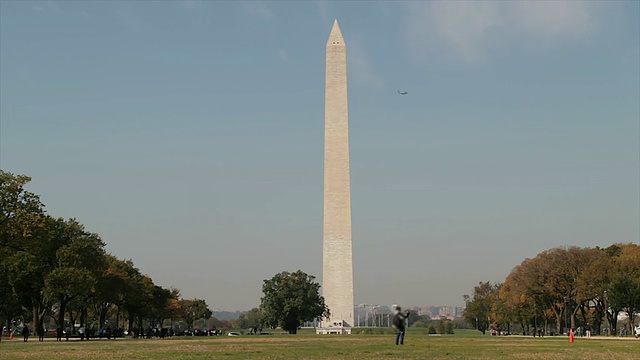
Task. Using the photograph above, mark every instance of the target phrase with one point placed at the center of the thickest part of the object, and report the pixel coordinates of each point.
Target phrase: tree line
(54, 269)
(560, 289)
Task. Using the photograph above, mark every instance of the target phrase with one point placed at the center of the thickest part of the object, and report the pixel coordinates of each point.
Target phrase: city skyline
(188, 135)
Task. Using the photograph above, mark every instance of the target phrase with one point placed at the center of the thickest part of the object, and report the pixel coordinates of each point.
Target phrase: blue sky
(189, 135)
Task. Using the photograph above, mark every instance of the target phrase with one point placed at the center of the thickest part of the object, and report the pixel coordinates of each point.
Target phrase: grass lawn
(463, 345)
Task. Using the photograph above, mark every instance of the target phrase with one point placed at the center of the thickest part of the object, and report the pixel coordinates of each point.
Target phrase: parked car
(233, 333)
(638, 331)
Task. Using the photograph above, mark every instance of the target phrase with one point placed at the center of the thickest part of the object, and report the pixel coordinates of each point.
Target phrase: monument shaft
(337, 260)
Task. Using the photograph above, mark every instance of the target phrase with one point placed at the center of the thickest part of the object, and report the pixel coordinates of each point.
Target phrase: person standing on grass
(25, 333)
(399, 319)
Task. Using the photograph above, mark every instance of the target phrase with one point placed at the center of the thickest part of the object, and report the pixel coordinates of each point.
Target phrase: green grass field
(463, 345)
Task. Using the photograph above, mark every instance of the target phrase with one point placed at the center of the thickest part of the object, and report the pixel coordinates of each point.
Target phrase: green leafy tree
(22, 218)
(624, 291)
(110, 288)
(30, 268)
(413, 318)
(79, 261)
(252, 319)
(136, 294)
(291, 299)
(193, 310)
(449, 328)
(164, 305)
(479, 306)
(10, 305)
(21, 214)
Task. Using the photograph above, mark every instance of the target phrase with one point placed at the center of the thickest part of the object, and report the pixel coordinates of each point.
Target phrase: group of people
(26, 333)
(85, 333)
(399, 322)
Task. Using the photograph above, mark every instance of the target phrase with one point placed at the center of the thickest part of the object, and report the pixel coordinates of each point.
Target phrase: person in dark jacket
(40, 333)
(399, 319)
(25, 333)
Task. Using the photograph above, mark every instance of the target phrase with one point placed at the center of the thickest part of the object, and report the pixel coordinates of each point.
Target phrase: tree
(553, 279)
(79, 261)
(215, 323)
(413, 318)
(251, 319)
(9, 303)
(110, 287)
(30, 268)
(21, 213)
(624, 292)
(479, 307)
(193, 310)
(291, 299)
(449, 328)
(164, 305)
(136, 293)
(521, 306)
(21, 219)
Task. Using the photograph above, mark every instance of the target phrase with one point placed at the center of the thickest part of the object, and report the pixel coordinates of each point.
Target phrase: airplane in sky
(402, 92)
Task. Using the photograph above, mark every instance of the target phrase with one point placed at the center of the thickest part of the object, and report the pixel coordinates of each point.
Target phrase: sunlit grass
(464, 345)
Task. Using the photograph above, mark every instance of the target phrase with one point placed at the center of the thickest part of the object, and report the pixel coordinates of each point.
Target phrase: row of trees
(562, 287)
(54, 268)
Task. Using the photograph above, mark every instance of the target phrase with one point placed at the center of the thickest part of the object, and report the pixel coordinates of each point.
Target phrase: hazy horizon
(189, 135)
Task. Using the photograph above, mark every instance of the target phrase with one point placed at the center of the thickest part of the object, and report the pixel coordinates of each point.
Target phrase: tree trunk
(38, 314)
(72, 323)
(546, 326)
(612, 317)
(63, 308)
(574, 312)
(558, 315)
(103, 314)
(118, 319)
(130, 320)
(83, 319)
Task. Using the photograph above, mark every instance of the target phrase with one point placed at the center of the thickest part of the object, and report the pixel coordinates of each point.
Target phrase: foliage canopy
(291, 299)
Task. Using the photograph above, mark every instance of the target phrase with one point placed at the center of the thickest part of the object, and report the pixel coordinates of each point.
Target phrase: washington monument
(337, 261)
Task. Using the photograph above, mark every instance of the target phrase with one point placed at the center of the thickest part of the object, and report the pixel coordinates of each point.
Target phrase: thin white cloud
(359, 63)
(282, 55)
(53, 5)
(324, 10)
(552, 19)
(37, 8)
(469, 30)
(189, 5)
(130, 19)
(258, 10)
(384, 7)
(193, 7)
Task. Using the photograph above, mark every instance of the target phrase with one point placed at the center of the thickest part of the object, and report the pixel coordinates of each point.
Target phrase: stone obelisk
(337, 260)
